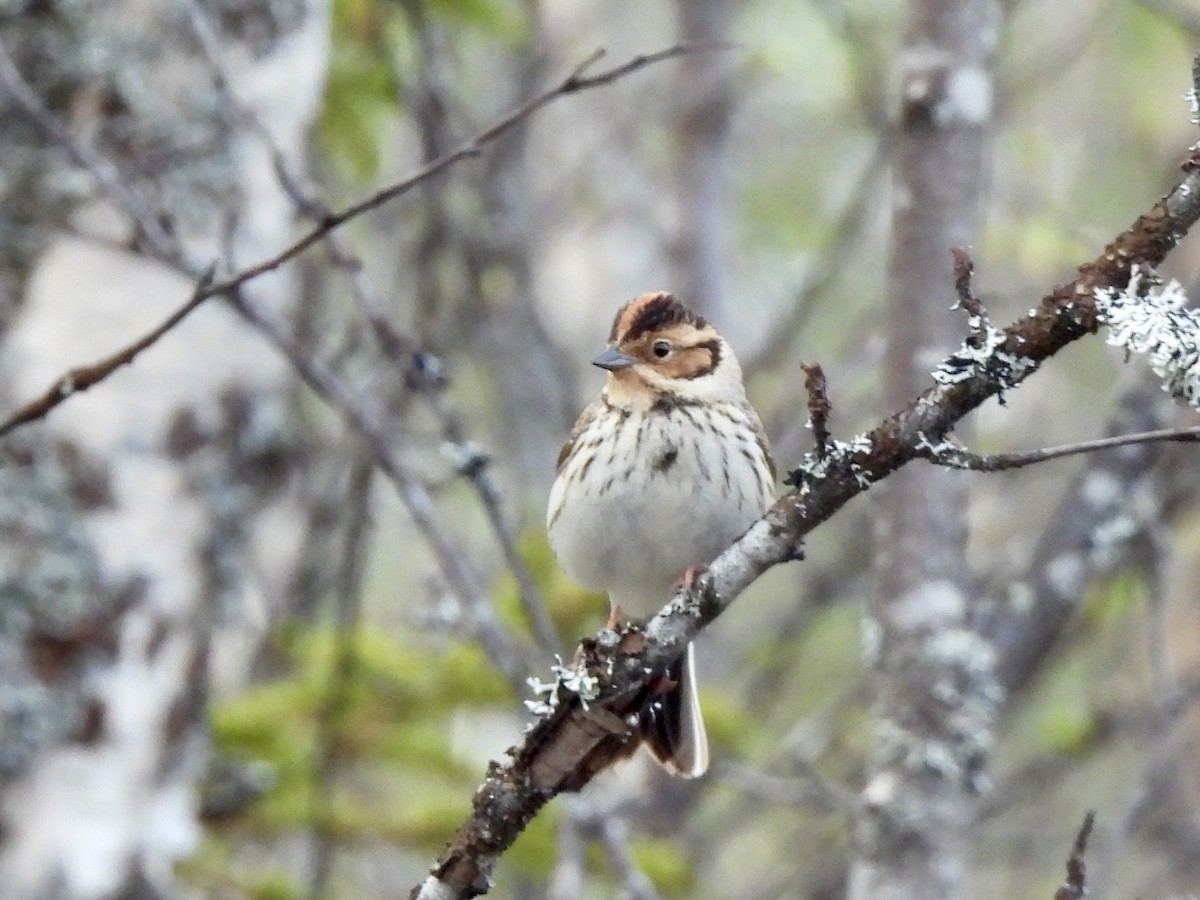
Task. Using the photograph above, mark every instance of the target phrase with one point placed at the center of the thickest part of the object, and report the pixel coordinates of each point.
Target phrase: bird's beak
(613, 359)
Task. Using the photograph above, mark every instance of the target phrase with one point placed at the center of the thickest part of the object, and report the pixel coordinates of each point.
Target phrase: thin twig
(614, 838)
(818, 406)
(964, 270)
(168, 250)
(510, 657)
(400, 350)
(585, 819)
(1075, 887)
(475, 466)
(573, 83)
(81, 378)
(955, 457)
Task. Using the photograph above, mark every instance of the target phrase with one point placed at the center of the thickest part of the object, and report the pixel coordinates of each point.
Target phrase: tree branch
(956, 457)
(167, 250)
(1075, 887)
(583, 728)
(80, 378)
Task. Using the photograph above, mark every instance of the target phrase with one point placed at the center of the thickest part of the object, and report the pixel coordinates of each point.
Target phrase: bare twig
(614, 837)
(956, 457)
(1075, 887)
(510, 657)
(165, 248)
(475, 466)
(585, 820)
(427, 380)
(818, 406)
(964, 269)
(572, 84)
(81, 378)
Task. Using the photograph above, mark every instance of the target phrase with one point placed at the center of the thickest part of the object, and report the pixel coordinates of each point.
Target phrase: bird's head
(661, 350)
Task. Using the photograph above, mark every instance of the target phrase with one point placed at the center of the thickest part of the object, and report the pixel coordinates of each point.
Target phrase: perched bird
(663, 471)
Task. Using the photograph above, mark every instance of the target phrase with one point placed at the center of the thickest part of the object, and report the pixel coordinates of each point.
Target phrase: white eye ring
(661, 349)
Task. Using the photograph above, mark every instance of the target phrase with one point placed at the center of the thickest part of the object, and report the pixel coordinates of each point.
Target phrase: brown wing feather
(581, 424)
(760, 435)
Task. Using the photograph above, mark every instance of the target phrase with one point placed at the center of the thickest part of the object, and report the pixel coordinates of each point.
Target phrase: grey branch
(956, 457)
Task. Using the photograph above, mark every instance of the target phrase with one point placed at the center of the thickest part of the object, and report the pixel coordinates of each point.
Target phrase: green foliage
(665, 863)
(211, 870)
(393, 721)
(361, 93)
(497, 19)
(1115, 600)
(1069, 728)
(1064, 712)
(1155, 52)
(371, 52)
(275, 886)
(533, 854)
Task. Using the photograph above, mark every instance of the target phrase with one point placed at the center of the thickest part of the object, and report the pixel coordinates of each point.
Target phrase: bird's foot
(689, 578)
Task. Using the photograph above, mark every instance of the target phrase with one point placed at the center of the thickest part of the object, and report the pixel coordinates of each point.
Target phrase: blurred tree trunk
(935, 690)
(704, 98)
(154, 514)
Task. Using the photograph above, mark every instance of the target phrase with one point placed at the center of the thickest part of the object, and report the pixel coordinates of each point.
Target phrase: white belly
(639, 515)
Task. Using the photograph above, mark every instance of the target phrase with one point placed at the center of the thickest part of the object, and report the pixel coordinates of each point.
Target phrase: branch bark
(584, 729)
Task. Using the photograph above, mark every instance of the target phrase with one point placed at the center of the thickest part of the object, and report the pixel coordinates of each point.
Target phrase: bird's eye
(661, 348)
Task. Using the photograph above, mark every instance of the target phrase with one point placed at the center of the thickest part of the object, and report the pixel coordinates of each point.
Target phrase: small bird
(663, 471)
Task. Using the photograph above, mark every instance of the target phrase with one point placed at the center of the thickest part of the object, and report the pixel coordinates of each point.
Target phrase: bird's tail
(672, 726)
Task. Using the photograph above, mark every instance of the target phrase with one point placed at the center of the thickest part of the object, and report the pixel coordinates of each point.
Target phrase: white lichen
(838, 455)
(1150, 317)
(573, 679)
(983, 354)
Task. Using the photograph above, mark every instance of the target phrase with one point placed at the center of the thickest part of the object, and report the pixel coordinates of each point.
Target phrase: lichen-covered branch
(584, 730)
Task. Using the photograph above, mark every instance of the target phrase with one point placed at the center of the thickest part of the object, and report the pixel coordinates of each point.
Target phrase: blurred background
(268, 595)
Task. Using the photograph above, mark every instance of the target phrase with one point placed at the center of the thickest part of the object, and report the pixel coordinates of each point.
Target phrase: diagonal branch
(584, 728)
(166, 249)
(80, 378)
(1075, 887)
(423, 372)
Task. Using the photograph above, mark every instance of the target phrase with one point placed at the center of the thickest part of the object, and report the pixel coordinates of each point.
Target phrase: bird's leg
(689, 578)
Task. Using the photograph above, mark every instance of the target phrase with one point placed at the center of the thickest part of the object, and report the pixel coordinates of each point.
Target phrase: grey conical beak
(613, 359)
